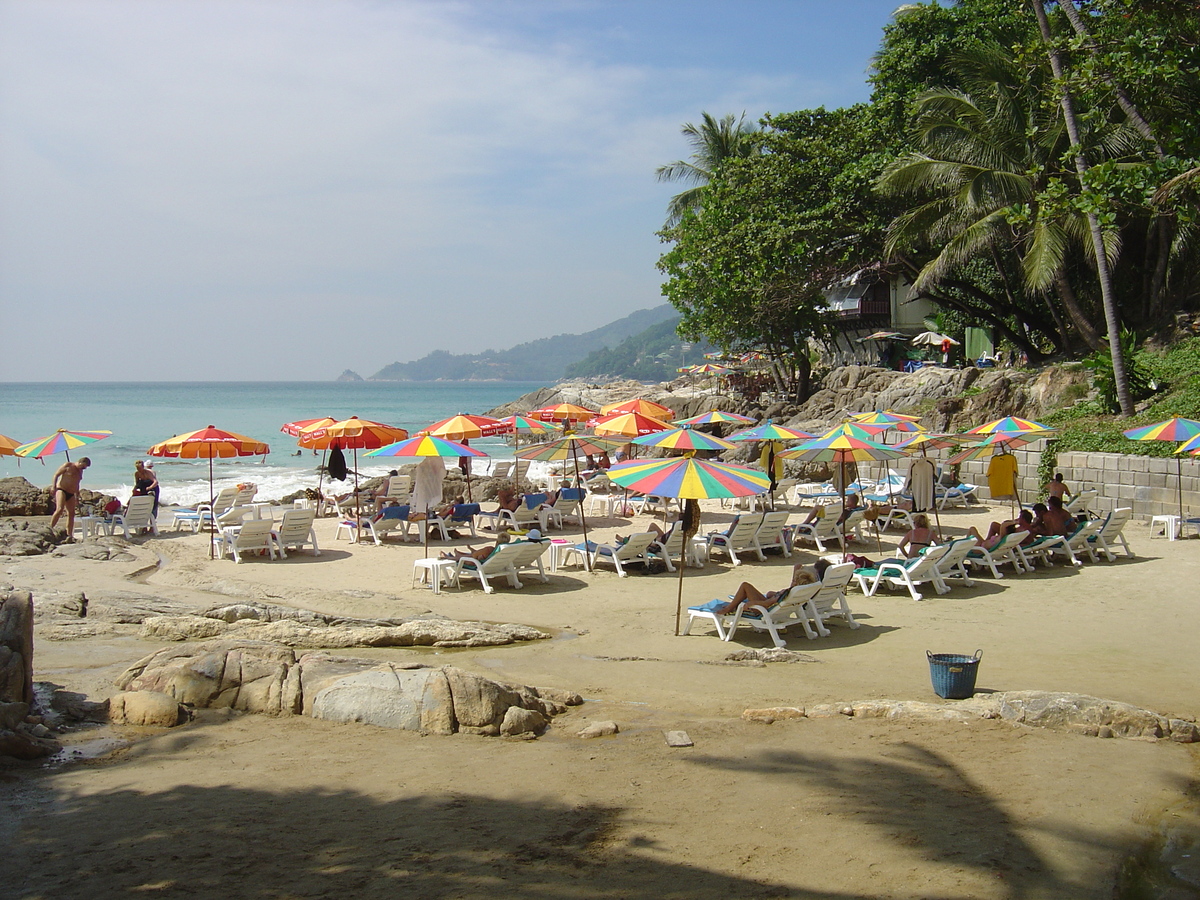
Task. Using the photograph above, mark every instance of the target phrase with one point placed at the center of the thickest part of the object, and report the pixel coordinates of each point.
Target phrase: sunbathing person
(482, 553)
(1000, 530)
(752, 596)
(919, 537)
(659, 534)
(1054, 519)
(852, 504)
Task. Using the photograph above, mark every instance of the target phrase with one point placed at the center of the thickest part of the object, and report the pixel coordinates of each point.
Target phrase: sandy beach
(253, 806)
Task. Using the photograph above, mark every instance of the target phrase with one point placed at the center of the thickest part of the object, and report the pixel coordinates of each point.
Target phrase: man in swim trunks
(65, 491)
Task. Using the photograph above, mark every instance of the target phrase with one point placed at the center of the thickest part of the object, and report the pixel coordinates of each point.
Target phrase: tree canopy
(1028, 180)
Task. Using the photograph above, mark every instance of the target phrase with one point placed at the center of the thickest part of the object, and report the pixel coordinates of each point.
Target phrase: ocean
(140, 414)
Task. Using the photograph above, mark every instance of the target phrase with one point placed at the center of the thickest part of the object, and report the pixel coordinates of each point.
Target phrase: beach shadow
(920, 799)
(256, 844)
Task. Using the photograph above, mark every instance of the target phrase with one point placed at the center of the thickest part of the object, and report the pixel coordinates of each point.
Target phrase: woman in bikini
(917, 539)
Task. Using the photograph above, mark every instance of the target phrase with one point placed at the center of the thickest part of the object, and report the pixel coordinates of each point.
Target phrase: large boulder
(20, 498)
(146, 708)
(256, 676)
(24, 537)
(21, 736)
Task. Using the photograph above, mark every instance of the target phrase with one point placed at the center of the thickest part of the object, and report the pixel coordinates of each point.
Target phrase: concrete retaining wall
(1147, 484)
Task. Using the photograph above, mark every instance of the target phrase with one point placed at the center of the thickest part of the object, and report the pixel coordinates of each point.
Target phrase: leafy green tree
(777, 229)
(713, 142)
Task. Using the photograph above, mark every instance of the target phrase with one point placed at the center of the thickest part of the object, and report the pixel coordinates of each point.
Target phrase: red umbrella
(210, 443)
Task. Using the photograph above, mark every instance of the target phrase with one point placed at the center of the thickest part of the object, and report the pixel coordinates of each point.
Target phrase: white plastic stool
(1170, 526)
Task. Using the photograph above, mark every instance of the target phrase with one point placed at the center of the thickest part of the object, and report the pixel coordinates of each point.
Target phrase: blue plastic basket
(953, 675)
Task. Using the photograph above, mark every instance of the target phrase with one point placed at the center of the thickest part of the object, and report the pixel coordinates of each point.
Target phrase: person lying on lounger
(1000, 530)
(659, 534)
(752, 596)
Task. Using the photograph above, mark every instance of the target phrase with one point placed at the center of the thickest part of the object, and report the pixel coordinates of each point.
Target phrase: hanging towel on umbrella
(427, 484)
(920, 482)
(337, 464)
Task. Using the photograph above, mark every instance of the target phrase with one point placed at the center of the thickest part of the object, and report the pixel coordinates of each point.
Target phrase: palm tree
(987, 154)
(713, 142)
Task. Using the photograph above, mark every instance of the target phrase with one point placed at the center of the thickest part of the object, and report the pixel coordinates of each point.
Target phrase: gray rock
(16, 647)
(145, 708)
(479, 701)
(181, 628)
(77, 707)
(518, 721)
(598, 729)
(411, 699)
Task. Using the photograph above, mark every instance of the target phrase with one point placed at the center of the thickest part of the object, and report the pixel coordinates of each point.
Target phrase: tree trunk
(1079, 318)
(1103, 272)
(1153, 301)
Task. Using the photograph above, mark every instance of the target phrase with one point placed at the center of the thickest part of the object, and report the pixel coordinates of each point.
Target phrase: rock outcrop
(1076, 713)
(268, 678)
(18, 497)
(22, 734)
(66, 616)
(22, 537)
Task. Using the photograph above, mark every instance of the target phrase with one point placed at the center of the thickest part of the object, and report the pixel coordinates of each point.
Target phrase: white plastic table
(432, 569)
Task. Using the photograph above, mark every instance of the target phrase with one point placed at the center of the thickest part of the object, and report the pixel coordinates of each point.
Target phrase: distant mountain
(650, 355)
(545, 359)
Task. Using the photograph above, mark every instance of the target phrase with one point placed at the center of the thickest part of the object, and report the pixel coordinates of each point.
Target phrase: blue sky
(256, 190)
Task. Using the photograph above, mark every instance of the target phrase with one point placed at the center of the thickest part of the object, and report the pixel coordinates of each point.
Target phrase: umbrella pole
(320, 480)
(1179, 480)
(425, 528)
(212, 511)
(937, 516)
(357, 502)
(684, 518)
(587, 556)
(842, 490)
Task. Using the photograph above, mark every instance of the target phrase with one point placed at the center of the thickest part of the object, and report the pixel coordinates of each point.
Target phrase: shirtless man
(65, 490)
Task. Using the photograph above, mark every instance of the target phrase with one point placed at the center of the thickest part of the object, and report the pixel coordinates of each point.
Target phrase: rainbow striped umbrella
(710, 369)
(994, 443)
(570, 446)
(517, 425)
(630, 424)
(1009, 425)
(1192, 446)
(768, 431)
(925, 439)
(1176, 428)
(684, 439)
(559, 412)
(714, 416)
(690, 479)
(638, 405)
(62, 441)
(425, 445)
(880, 421)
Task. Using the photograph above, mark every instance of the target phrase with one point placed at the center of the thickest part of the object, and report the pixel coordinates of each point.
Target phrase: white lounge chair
(507, 560)
(790, 609)
(830, 601)
(773, 532)
(1069, 546)
(824, 529)
(1082, 502)
(462, 517)
(738, 538)
(252, 535)
(399, 490)
(568, 503)
(952, 566)
(138, 517)
(1112, 532)
(670, 548)
(635, 550)
(1006, 551)
(909, 573)
(296, 531)
(195, 517)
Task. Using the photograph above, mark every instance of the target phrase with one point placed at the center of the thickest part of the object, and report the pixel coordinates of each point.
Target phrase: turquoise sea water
(144, 413)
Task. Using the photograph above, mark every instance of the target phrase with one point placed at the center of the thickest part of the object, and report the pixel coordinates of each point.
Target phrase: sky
(270, 190)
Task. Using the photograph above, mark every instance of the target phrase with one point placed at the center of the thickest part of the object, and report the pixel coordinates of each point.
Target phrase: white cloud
(287, 163)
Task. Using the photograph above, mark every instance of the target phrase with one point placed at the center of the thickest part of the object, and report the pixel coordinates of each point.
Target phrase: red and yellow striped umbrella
(559, 412)
(294, 428)
(352, 434)
(638, 405)
(62, 441)
(630, 424)
(464, 427)
(8, 445)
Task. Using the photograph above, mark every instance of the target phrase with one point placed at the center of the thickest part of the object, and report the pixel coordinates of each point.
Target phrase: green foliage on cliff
(542, 360)
(652, 355)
